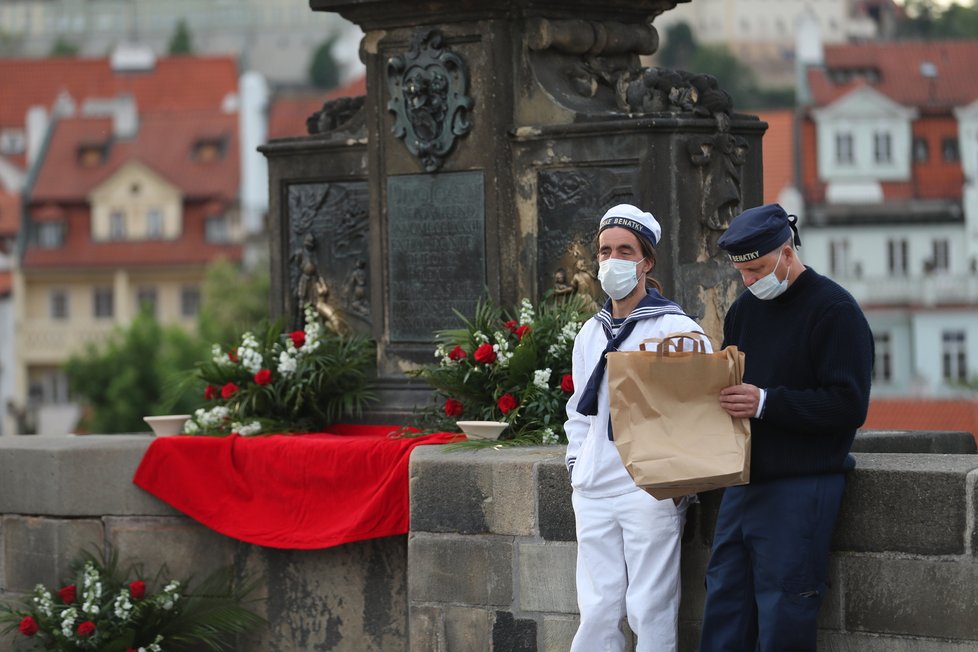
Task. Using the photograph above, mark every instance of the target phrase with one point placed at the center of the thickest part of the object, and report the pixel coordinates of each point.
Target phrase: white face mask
(618, 277)
(769, 287)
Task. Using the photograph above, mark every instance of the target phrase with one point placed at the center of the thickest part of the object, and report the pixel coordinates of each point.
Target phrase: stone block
(513, 509)
(351, 597)
(40, 550)
(450, 492)
(906, 503)
(468, 629)
(556, 634)
(914, 441)
(185, 547)
(427, 629)
(87, 475)
(471, 570)
(850, 642)
(912, 597)
(511, 634)
(547, 577)
(554, 509)
(832, 614)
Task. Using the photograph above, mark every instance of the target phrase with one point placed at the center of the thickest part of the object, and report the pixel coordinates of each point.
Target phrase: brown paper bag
(669, 428)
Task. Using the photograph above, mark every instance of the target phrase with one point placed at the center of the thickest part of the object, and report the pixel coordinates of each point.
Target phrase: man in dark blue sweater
(808, 363)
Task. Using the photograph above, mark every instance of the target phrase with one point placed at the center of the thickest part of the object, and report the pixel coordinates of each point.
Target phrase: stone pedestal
(492, 137)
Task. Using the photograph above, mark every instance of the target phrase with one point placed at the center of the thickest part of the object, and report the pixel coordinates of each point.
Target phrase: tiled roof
(900, 66)
(189, 249)
(181, 82)
(923, 414)
(9, 214)
(778, 152)
(288, 113)
(6, 283)
(164, 143)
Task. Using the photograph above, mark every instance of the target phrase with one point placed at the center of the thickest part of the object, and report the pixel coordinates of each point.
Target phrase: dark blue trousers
(769, 567)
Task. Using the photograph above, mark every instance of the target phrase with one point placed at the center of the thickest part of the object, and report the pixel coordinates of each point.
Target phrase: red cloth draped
(289, 491)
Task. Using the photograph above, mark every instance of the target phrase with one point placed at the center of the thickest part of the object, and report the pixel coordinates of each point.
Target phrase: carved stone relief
(570, 203)
(427, 88)
(327, 256)
(343, 113)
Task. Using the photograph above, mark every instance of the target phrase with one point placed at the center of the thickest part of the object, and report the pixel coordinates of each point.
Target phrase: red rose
(228, 390)
(484, 354)
(507, 403)
(298, 338)
(567, 384)
(522, 330)
(210, 393)
(68, 594)
(28, 626)
(263, 377)
(453, 408)
(511, 325)
(137, 589)
(85, 629)
(457, 353)
(233, 355)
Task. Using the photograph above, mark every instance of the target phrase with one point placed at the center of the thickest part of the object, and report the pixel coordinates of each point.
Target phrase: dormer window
(207, 150)
(91, 155)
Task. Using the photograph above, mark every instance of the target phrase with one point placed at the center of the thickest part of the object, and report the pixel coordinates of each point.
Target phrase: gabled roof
(923, 414)
(9, 214)
(898, 71)
(777, 149)
(164, 142)
(174, 83)
(288, 113)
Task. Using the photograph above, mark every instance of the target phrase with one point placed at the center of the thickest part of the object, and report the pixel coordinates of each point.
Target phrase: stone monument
(491, 138)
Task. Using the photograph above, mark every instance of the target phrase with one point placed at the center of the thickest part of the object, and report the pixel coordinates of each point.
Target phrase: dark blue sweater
(812, 350)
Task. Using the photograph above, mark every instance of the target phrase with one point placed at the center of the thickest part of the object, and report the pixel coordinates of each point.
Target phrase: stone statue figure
(582, 282)
(356, 287)
(311, 288)
(561, 288)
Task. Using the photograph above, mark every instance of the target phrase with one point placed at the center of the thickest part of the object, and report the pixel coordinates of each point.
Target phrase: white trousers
(628, 564)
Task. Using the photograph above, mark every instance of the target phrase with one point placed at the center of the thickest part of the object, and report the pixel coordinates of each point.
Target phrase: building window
(146, 300)
(897, 257)
(883, 362)
(921, 150)
(954, 363)
(216, 229)
(941, 257)
(189, 301)
(59, 304)
(881, 147)
(949, 150)
(843, 148)
(102, 301)
(154, 224)
(50, 235)
(838, 257)
(12, 141)
(117, 225)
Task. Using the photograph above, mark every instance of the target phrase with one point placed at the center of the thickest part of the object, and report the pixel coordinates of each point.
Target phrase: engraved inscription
(436, 235)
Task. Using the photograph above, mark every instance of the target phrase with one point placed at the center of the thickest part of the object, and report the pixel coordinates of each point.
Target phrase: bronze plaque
(436, 238)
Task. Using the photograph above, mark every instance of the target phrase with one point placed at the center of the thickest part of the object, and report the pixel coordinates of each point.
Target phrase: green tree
(235, 300)
(680, 45)
(926, 20)
(324, 72)
(64, 48)
(134, 374)
(181, 42)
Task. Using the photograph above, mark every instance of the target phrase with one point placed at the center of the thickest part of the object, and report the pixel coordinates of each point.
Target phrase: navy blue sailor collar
(652, 304)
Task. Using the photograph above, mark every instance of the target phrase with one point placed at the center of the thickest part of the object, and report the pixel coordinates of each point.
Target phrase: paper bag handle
(673, 339)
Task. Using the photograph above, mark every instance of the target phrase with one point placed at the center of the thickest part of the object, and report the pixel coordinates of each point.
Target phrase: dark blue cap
(758, 231)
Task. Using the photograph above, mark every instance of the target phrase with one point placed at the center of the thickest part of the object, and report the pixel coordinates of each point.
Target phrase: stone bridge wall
(489, 562)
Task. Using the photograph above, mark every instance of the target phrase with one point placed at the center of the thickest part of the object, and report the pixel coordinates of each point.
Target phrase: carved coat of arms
(428, 98)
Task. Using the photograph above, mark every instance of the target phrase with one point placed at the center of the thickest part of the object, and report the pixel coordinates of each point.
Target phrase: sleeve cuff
(761, 404)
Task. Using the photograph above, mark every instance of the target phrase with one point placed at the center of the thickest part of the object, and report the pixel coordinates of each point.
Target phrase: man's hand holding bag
(669, 428)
